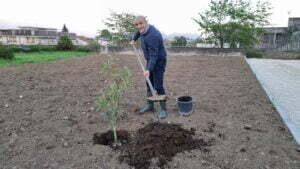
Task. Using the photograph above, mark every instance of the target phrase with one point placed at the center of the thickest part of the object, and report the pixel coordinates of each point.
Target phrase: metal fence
(281, 43)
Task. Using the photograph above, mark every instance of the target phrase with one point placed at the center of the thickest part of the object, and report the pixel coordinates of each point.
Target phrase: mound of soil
(162, 141)
(107, 138)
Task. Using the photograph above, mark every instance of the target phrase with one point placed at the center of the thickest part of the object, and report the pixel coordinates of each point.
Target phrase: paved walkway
(281, 81)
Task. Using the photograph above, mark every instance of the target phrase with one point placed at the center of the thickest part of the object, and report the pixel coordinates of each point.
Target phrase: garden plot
(48, 117)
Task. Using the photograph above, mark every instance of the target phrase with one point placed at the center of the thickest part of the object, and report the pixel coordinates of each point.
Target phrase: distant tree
(121, 27)
(179, 41)
(237, 22)
(65, 29)
(193, 42)
(105, 34)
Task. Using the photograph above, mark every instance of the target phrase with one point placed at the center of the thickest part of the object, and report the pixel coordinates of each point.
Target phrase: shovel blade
(157, 98)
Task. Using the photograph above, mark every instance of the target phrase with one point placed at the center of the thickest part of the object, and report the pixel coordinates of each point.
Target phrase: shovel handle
(138, 55)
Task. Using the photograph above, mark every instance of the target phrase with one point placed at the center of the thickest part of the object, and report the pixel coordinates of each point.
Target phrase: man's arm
(136, 36)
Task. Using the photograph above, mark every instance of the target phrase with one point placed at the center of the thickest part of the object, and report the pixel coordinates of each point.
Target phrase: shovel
(155, 96)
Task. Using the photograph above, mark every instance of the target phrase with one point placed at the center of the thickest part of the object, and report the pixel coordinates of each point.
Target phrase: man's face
(140, 25)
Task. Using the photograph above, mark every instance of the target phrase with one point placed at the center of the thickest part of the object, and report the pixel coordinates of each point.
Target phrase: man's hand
(147, 73)
(132, 42)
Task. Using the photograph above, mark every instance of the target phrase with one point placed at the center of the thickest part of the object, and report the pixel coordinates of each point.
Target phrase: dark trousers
(157, 80)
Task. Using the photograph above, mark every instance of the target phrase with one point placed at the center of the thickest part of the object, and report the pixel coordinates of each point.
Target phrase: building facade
(34, 36)
(284, 38)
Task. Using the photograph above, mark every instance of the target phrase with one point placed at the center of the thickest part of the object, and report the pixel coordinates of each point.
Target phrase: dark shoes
(150, 107)
(163, 110)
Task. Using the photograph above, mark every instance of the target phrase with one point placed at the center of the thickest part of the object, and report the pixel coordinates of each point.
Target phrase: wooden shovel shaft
(138, 55)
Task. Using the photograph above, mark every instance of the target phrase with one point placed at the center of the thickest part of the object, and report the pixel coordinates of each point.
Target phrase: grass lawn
(21, 58)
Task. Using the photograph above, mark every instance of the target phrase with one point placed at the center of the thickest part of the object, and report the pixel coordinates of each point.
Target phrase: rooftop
(36, 28)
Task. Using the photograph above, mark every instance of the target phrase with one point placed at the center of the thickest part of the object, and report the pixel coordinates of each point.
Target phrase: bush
(253, 53)
(23, 49)
(6, 53)
(94, 46)
(47, 48)
(32, 48)
(18, 48)
(82, 49)
(65, 43)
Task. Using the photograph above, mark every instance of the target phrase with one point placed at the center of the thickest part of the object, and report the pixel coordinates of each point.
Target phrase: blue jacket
(153, 49)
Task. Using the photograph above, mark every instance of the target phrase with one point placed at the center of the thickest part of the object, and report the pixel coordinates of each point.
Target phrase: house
(82, 40)
(28, 35)
(284, 38)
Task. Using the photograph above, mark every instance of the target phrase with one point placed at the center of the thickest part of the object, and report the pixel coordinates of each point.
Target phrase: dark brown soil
(52, 125)
(107, 138)
(162, 141)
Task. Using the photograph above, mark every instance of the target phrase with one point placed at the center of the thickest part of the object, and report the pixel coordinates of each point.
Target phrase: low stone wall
(204, 51)
(201, 50)
(268, 54)
(181, 51)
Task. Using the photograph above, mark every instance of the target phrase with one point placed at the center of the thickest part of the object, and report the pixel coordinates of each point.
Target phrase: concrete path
(281, 81)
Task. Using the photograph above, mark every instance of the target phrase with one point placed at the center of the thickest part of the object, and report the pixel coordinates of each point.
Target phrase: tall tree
(121, 27)
(237, 22)
(65, 30)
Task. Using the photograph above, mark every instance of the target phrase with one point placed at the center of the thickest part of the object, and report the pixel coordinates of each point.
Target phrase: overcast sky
(85, 16)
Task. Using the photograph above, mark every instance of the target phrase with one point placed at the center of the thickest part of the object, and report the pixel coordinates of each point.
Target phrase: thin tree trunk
(221, 43)
(115, 134)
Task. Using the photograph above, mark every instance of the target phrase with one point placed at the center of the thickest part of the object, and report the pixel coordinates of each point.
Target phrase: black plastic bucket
(185, 105)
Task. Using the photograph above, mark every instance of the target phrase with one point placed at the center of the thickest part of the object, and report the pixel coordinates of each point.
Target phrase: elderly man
(155, 55)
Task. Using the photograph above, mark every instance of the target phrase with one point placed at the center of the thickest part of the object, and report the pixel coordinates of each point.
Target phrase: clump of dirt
(107, 138)
(211, 127)
(162, 141)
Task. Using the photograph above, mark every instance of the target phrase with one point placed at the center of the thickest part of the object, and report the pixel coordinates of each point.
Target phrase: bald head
(140, 23)
(140, 18)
